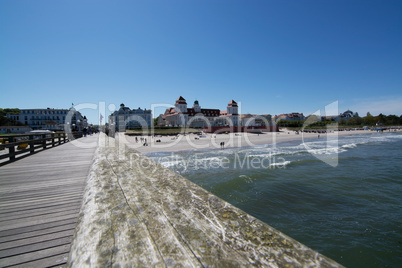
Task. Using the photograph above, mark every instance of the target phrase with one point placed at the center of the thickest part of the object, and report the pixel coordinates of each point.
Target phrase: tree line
(4, 121)
(368, 120)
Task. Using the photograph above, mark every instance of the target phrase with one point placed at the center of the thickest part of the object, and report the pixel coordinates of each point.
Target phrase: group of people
(222, 145)
(143, 141)
(87, 131)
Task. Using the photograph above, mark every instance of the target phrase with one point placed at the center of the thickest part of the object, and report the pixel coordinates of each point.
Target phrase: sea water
(341, 197)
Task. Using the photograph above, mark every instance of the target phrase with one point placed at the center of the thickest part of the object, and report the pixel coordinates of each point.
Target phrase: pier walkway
(40, 200)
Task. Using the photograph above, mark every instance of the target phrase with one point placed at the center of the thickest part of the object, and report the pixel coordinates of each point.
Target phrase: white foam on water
(349, 146)
(327, 151)
(168, 164)
(285, 163)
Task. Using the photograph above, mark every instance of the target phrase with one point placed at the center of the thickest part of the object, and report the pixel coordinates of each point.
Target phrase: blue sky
(271, 56)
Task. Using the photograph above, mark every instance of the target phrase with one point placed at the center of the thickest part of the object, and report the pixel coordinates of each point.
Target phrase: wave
(327, 151)
(349, 146)
(285, 163)
(291, 149)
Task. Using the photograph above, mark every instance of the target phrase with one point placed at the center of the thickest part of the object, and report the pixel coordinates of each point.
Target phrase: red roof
(181, 100)
(232, 103)
(170, 111)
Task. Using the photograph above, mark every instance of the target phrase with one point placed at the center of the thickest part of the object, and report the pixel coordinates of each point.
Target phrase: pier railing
(19, 144)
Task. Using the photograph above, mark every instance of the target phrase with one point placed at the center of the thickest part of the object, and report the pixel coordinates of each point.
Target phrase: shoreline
(192, 142)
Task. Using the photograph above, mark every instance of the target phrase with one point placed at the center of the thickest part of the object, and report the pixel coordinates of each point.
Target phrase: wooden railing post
(31, 140)
(53, 144)
(31, 145)
(11, 149)
(44, 141)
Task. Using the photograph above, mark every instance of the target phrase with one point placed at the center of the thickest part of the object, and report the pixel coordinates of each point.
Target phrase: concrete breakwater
(136, 213)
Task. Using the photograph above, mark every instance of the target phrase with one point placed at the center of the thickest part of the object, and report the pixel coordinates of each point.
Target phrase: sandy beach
(191, 142)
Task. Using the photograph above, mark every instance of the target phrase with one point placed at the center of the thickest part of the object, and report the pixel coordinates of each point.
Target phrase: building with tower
(181, 115)
(126, 118)
(231, 115)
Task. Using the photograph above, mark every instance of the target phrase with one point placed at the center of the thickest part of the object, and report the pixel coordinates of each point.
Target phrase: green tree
(392, 120)
(6, 111)
(4, 121)
(354, 121)
(381, 118)
(155, 121)
(369, 120)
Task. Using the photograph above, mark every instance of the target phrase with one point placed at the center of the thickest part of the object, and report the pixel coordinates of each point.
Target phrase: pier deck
(40, 199)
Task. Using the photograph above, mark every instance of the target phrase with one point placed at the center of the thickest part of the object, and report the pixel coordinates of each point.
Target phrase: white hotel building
(196, 116)
(50, 119)
(126, 118)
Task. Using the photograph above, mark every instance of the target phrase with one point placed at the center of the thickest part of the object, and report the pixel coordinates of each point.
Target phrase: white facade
(181, 116)
(126, 118)
(233, 113)
(51, 119)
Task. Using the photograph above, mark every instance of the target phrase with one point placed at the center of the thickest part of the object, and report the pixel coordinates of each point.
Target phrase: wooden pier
(97, 203)
(40, 199)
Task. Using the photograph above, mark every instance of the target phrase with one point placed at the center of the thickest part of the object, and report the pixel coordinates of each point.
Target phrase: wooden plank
(31, 247)
(40, 193)
(24, 235)
(29, 206)
(42, 176)
(36, 221)
(32, 228)
(8, 186)
(38, 211)
(39, 200)
(34, 256)
(44, 213)
(54, 261)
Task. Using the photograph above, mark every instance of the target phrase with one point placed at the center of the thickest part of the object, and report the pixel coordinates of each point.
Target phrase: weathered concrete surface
(136, 213)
